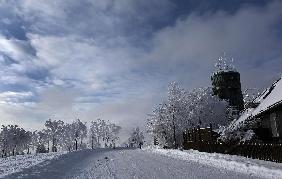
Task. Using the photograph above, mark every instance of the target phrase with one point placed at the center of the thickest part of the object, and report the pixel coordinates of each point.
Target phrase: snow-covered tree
(224, 63)
(183, 110)
(136, 138)
(68, 137)
(54, 129)
(112, 136)
(103, 131)
(94, 134)
(40, 141)
(80, 132)
(14, 140)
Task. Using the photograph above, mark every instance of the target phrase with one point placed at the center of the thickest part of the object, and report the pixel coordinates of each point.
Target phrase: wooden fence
(262, 151)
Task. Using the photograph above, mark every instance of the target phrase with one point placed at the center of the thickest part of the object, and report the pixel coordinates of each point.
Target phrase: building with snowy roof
(264, 117)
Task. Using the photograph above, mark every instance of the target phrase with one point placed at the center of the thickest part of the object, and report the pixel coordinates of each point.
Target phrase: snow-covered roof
(271, 97)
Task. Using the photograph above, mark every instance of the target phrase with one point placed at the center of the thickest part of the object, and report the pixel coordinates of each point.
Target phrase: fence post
(211, 132)
(199, 133)
(194, 134)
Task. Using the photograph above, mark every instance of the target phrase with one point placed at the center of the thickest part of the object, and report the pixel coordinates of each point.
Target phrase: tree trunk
(174, 135)
(75, 144)
(53, 143)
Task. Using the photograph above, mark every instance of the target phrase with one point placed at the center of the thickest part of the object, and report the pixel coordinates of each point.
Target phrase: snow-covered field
(17, 163)
(148, 163)
(258, 168)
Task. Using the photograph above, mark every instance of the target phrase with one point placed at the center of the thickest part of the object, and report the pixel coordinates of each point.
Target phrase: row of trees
(183, 110)
(58, 135)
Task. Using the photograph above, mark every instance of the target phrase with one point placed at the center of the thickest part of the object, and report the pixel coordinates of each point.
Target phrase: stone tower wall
(227, 85)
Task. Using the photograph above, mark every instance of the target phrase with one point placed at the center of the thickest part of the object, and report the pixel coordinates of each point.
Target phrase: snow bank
(17, 163)
(257, 168)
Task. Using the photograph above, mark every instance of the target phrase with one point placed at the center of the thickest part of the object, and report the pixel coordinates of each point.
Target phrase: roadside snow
(17, 163)
(253, 167)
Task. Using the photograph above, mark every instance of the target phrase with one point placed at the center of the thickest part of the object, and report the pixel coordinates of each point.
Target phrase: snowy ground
(18, 163)
(148, 164)
(253, 167)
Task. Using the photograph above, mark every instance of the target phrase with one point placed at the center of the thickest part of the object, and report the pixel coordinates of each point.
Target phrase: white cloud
(14, 97)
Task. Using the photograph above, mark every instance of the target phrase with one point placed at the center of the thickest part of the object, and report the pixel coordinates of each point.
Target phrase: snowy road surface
(123, 164)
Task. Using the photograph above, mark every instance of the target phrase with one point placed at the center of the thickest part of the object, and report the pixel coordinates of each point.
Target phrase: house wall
(279, 121)
(272, 120)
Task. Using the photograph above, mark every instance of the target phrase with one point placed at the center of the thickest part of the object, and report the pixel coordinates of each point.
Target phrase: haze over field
(113, 60)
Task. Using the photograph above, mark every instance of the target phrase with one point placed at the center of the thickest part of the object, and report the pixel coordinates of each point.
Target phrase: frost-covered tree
(103, 131)
(136, 138)
(224, 63)
(40, 141)
(54, 129)
(68, 137)
(94, 134)
(183, 110)
(112, 135)
(14, 140)
(80, 132)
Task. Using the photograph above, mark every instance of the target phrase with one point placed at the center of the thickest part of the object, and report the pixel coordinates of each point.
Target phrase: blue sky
(113, 59)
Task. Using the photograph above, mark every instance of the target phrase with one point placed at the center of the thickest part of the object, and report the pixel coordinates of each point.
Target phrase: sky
(113, 59)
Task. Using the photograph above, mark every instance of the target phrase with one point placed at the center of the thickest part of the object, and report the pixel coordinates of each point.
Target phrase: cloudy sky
(113, 59)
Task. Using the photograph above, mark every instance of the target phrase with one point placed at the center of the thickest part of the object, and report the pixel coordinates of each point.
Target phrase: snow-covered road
(123, 164)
